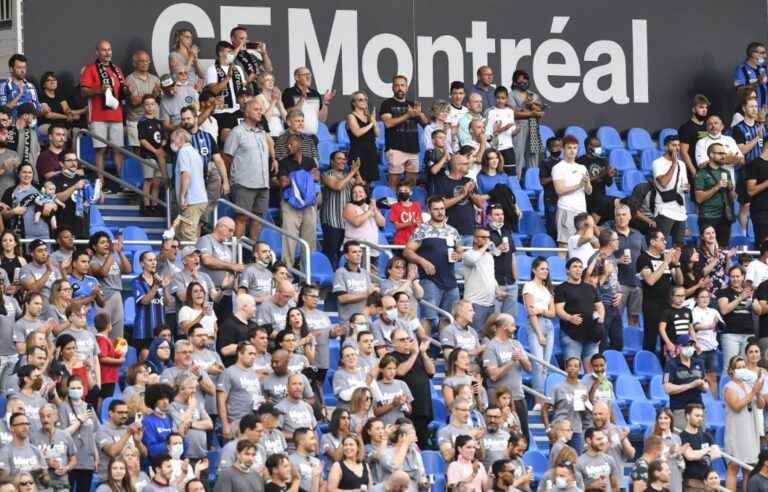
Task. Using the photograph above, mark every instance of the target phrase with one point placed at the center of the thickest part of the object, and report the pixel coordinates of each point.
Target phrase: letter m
(342, 42)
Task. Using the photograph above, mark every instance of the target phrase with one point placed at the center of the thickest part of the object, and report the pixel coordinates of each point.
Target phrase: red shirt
(107, 349)
(401, 213)
(47, 162)
(96, 109)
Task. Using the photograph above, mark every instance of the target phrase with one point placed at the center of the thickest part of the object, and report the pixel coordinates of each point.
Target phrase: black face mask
(523, 86)
(556, 154)
(403, 197)
(360, 202)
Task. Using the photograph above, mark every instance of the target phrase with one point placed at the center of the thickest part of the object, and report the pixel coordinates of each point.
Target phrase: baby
(47, 196)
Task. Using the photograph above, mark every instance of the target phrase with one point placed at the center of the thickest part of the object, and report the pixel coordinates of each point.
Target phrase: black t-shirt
(292, 95)
(656, 294)
(697, 469)
(151, 130)
(761, 293)
(738, 321)
(595, 166)
(55, 104)
(405, 136)
(232, 330)
(503, 263)
(678, 321)
(690, 133)
(417, 380)
(462, 214)
(579, 299)
(545, 171)
(289, 164)
(758, 170)
(678, 373)
(65, 216)
(273, 487)
(431, 157)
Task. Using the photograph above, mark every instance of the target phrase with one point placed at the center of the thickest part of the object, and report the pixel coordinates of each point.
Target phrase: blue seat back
(647, 363)
(647, 156)
(639, 139)
(342, 137)
(617, 364)
(434, 464)
(274, 239)
(642, 413)
(531, 223)
(538, 461)
(322, 271)
(323, 134)
(630, 179)
(656, 388)
(621, 160)
(523, 266)
(663, 134)
(627, 387)
(532, 181)
(557, 270)
(609, 138)
(545, 133)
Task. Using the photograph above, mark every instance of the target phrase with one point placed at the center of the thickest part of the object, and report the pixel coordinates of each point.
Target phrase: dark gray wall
(604, 77)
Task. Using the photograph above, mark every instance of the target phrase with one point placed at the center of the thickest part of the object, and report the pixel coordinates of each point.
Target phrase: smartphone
(253, 45)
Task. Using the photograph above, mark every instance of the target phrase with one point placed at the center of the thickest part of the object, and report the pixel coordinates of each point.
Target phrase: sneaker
(536, 407)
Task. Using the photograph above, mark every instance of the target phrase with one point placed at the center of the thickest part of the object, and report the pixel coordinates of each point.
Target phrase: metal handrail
(304, 244)
(443, 312)
(120, 181)
(536, 394)
(546, 364)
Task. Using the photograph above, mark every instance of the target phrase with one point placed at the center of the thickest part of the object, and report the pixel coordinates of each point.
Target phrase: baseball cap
(36, 244)
(188, 250)
(166, 81)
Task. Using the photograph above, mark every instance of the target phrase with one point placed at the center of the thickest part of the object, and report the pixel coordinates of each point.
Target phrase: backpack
(303, 191)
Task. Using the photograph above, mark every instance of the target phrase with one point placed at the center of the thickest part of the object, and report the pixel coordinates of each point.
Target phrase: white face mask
(561, 482)
(360, 327)
(75, 393)
(744, 374)
(174, 147)
(176, 451)
(760, 61)
(391, 314)
(688, 351)
(230, 58)
(597, 151)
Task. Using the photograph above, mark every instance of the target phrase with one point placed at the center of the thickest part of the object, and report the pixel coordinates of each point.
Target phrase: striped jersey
(148, 316)
(743, 133)
(205, 145)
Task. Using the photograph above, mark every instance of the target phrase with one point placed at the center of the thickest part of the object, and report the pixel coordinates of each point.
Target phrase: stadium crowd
(232, 377)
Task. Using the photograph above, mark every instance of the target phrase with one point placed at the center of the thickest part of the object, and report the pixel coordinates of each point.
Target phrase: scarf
(248, 61)
(106, 80)
(26, 149)
(236, 79)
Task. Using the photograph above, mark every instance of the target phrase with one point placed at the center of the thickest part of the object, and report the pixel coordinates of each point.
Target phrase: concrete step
(126, 220)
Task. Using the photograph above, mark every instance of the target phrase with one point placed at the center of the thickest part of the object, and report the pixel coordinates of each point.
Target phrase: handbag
(671, 195)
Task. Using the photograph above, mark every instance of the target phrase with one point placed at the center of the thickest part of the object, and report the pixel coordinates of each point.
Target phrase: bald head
(104, 51)
(284, 292)
(601, 413)
(224, 229)
(398, 481)
(280, 361)
(246, 307)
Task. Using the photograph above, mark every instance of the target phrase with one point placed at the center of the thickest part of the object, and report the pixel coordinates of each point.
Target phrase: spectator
(733, 156)
(530, 109)
(405, 215)
(17, 90)
(251, 156)
(570, 403)
(190, 273)
(484, 87)
(76, 192)
(19, 215)
(152, 140)
(658, 268)
(601, 175)
(400, 117)
(436, 159)
(467, 470)
(102, 82)
(158, 425)
(691, 132)
(252, 57)
(758, 477)
(78, 419)
(59, 445)
(242, 475)
(619, 447)
(238, 391)
(659, 475)
(631, 244)
(49, 161)
(598, 382)
(715, 194)
(600, 470)
(752, 72)
(581, 314)
(395, 398)
(434, 247)
(270, 98)
(234, 330)
(383, 328)
(749, 137)
(363, 131)
(735, 307)
(54, 107)
(504, 259)
(304, 460)
(350, 376)
(184, 54)
(273, 313)
(176, 95)
(480, 287)
(140, 83)
(251, 429)
(20, 455)
(671, 182)
(225, 80)
(9, 159)
(308, 146)
(39, 275)
(256, 280)
(490, 174)
(457, 110)
(583, 245)
(501, 127)
(676, 325)
(672, 447)
(297, 413)
(602, 268)
(701, 448)
(114, 436)
(756, 177)
(460, 198)
(301, 96)
(440, 112)
(336, 194)
(108, 264)
(282, 476)
(362, 218)
(538, 299)
(299, 177)
(572, 184)
(22, 137)
(351, 282)
(415, 367)
(474, 112)
(218, 262)
(684, 382)
(554, 149)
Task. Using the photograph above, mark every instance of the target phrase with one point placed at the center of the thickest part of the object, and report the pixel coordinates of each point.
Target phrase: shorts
(442, 298)
(255, 200)
(565, 225)
(149, 171)
(709, 357)
(632, 298)
(226, 121)
(111, 131)
(575, 348)
(188, 228)
(741, 187)
(132, 133)
(400, 162)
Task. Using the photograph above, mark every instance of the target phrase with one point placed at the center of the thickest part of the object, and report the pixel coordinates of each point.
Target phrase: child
(152, 140)
(436, 158)
(47, 196)
(405, 214)
(501, 126)
(675, 325)
(110, 359)
(705, 320)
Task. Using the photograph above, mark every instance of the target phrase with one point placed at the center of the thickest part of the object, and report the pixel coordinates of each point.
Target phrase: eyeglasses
(483, 237)
(402, 339)
(26, 483)
(20, 424)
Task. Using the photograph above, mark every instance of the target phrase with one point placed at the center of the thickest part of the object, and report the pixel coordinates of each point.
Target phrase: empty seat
(380, 192)
(328, 397)
(96, 219)
(531, 223)
(133, 172)
(630, 179)
(647, 156)
(663, 134)
(628, 389)
(542, 240)
(609, 138)
(715, 412)
(621, 160)
(633, 340)
(659, 397)
(324, 150)
(557, 269)
(538, 461)
(618, 417)
(642, 414)
(323, 134)
(616, 363)
(523, 266)
(613, 190)
(135, 233)
(434, 464)
(523, 202)
(322, 270)
(532, 181)
(638, 139)
(724, 379)
(692, 223)
(129, 312)
(646, 365)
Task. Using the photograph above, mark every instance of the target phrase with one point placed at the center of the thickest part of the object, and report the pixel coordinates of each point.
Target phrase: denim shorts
(442, 298)
(574, 348)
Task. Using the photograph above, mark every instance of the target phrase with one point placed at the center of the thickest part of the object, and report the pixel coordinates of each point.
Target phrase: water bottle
(451, 243)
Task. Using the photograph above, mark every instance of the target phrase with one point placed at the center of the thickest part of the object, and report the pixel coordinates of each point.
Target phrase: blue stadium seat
(324, 150)
(659, 397)
(692, 223)
(663, 134)
(434, 464)
(104, 414)
(532, 182)
(616, 363)
(538, 461)
(630, 179)
(633, 340)
(642, 414)
(522, 200)
(545, 133)
(133, 172)
(638, 139)
(715, 412)
(613, 190)
(380, 139)
(342, 137)
(380, 192)
(523, 266)
(3, 403)
(135, 233)
(580, 134)
(647, 156)
(724, 379)
(334, 353)
(621, 160)
(328, 397)
(628, 389)
(557, 269)
(96, 219)
(609, 138)
(129, 312)
(86, 148)
(131, 357)
(542, 240)
(618, 417)
(323, 134)
(214, 458)
(274, 239)
(322, 270)
(552, 380)
(531, 223)
(646, 365)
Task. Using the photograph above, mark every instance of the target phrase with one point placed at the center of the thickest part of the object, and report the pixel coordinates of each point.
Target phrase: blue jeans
(543, 352)
(574, 348)
(613, 329)
(481, 315)
(444, 299)
(509, 304)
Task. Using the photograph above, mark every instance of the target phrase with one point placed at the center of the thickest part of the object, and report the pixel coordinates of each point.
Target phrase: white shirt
(757, 272)
(212, 77)
(730, 147)
(706, 339)
(541, 295)
(504, 116)
(455, 114)
(671, 210)
(583, 252)
(479, 278)
(570, 175)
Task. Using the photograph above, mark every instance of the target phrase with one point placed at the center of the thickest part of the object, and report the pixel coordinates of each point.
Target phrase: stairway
(120, 210)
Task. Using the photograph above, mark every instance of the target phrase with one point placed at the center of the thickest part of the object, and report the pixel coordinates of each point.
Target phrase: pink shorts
(400, 162)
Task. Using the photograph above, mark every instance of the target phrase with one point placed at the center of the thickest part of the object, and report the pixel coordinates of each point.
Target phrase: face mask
(688, 351)
(75, 393)
(33, 123)
(760, 61)
(556, 155)
(360, 202)
(403, 197)
(159, 412)
(230, 58)
(174, 147)
(391, 314)
(597, 151)
(561, 482)
(744, 374)
(523, 86)
(176, 451)
(360, 327)
(496, 225)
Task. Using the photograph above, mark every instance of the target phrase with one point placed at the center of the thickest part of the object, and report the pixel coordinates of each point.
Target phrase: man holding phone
(251, 56)
(715, 194)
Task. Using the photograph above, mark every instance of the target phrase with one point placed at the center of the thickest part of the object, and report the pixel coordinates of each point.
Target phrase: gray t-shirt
(495, 446)
(234, 480)
(296, 415)
(57, 446)
(320, 324)
(153, 486)
(84, 436)
(229, 455)
(183, 278)
(139, 87)
(498, 353)
(758, 483)
(599, 466)
(615, 449)
(205, 359)
(270, 314)
(170, 106)
(243, 391)
(273, 441)
(210, 246)
(382, 333)
(85, 343)
(27, 458)
(304, 465)
(250, 157)
(60, 256)
(24, 327)
(196, 440)
(349, 282)
(454, 336)
(387, 393)
(106, 436)
(449, 433)
(563, 397)
(256, 279)
(7, 325)
(170, 374)
(34, 271)
(32, 406)
(413, 465)
(113, 282)
(345, 382)
(276, 388)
